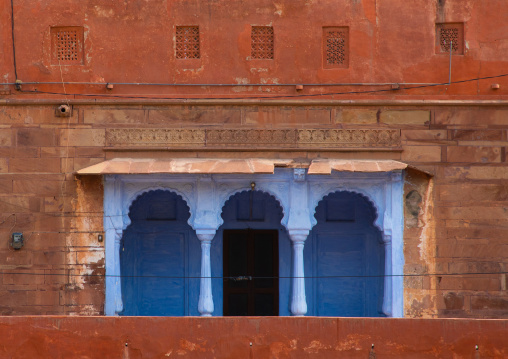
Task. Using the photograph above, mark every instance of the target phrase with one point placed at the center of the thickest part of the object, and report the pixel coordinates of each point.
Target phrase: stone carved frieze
(349, 138)
(252, 138)
(154, 137)
(249, 137)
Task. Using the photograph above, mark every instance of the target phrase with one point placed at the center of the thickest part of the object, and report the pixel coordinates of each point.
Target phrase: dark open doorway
(251, 284)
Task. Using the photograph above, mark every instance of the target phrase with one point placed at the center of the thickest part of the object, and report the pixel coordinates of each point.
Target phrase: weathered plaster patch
(427, 244)
(258, 69)
(85, 255)
(420, 242)
(279, 9)
(315, 347)
(103, 12)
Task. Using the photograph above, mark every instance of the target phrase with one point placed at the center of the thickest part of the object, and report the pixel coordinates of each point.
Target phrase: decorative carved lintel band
(252, 138)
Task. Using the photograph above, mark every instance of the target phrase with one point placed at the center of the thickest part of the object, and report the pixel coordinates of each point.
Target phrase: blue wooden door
(154, 257)
(347, 258)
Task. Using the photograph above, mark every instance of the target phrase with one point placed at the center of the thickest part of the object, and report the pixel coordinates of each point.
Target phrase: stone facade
(453, 136)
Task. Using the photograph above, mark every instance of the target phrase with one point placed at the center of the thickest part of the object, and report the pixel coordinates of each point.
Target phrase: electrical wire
(13, 43)
(408, 275)
(159, 84)
(265, 97)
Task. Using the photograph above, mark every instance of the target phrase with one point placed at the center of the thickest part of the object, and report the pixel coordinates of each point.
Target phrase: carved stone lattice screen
(447, 34)
(262, 42)
(187, 42)
(335, 47)
(67, 45)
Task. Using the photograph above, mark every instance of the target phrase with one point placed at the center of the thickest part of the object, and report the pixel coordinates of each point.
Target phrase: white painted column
(113, 304)
(393, 303)
(205, 224)
(298, 298)
(113, 226)
(387, 300)
(205, 303)
(298, 226)
(397, 245)
(118, 278)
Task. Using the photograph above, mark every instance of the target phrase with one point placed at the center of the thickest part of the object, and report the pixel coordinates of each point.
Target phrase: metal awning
(325, 167)
(183, 165)
(235, 166)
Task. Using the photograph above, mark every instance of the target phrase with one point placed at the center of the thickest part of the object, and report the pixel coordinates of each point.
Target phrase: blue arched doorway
(154, 257)
(345, 258)
(251, 243)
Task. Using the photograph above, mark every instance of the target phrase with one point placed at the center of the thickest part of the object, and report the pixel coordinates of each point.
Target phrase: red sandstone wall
(460, 227)
(278, 338)
(390, 41)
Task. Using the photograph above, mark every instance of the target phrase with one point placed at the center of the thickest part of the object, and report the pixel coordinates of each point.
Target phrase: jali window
(67, 45)
(335, 47)
(187, 42)
(262, 42)
(450, 34)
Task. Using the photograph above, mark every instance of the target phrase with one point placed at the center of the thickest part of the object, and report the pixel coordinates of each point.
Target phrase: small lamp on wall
(17, 240)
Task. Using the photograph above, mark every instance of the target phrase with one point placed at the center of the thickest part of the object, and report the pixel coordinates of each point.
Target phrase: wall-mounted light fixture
(17, 240)
(63, 111)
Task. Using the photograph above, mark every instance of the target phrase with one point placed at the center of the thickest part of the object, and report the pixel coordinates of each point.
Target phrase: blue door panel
(337, 258)
(156, 263)
(345, 257)
(153, 259)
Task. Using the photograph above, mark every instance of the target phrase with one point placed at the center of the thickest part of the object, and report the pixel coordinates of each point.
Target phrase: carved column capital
(387, 238)
(396, 176)
(299, 174)
(205, 235)
(298, 236)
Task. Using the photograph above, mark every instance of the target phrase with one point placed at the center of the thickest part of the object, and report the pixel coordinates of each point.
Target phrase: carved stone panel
(243, 137)
(348, 138)
(154, 137)
(334, 139)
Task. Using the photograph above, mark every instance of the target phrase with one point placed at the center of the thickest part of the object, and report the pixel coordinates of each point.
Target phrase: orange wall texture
(455, 243)
(389, 42)
(279, 338)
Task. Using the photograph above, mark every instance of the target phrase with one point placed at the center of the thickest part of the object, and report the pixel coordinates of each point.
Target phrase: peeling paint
(85, 255)
(420, 292)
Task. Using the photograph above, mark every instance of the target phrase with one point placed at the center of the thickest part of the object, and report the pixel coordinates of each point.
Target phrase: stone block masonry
(453, 235)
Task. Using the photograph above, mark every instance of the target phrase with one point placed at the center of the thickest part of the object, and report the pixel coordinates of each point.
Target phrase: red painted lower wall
(286, 337)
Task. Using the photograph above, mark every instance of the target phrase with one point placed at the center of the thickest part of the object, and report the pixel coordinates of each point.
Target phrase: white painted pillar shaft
(205, 303)
(113, 227)
(117, 278)
(298, 298)
(110, 304)
(387, 297)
